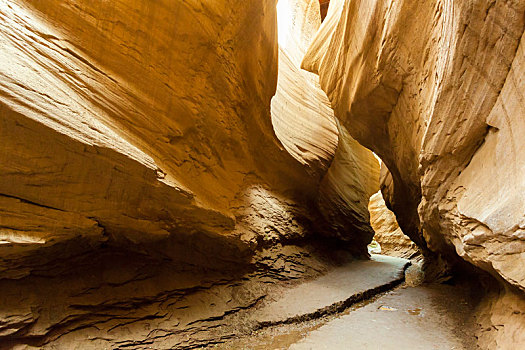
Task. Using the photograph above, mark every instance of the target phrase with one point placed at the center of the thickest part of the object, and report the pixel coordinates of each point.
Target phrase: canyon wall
(144, 134)
(388, 234)
(147, 143)
(122, 125)
(149, 183)
(436, 89)
(439, 101)
(115, 127)
(302, 117)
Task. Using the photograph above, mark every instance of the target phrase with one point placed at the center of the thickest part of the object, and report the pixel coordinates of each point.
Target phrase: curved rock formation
(166, 165)
(302, 117)
(147, 131)
(160, 135)
(346, 189)
(142, 172)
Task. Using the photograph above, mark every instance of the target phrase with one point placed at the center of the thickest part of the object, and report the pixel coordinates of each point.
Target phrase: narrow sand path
(419, 318)
(364, 305)
(334, 291)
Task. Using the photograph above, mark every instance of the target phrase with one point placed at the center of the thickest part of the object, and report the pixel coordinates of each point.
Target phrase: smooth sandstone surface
(435, 89)
(159, 132)
(418, 318)
(304, 122)
(302, 117)
(340, 286)
(121, 121)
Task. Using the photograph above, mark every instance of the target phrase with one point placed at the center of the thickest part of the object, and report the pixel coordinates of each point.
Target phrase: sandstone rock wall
(346, 189)
(302, 117)
(434, 88)
(156, 132)
(140, 127)
(305, 124)
(139, 145)
(145, 186)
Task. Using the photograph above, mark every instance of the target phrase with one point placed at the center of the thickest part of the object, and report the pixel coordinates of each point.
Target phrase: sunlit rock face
(119, 130)
(149, 183)
(387, 232)
(436, 89)
(302, 117)
(305, 124)
(160, 138)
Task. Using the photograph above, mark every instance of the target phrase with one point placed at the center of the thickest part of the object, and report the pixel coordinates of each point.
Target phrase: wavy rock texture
(157, 135)
(302, 117)
(346, 189)
(304, 122)
(119, 300)
(142, 174)
(160, 134)
(147, 171)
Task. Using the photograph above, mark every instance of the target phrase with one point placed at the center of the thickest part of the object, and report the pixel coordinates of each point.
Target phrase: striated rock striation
(142, 134)
(150, 184)
(302, 117)
(159, 137)
(121, 122)
(166, 166)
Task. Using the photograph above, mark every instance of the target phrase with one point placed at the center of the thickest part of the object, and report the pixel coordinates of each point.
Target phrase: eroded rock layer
(346, 189)
(302, 117)
(139, 132)
(120, 300)
(388, 234)
(160, 135)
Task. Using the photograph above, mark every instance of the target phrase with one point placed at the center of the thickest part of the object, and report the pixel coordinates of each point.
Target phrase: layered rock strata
(160, 135)
(302, 117)
(143, 128)
(144, 188)
(120, 300)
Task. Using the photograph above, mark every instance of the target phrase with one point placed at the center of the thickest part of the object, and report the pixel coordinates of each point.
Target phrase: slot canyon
(262, 174)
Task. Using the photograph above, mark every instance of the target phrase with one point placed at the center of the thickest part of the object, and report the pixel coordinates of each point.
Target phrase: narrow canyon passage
(270, 174)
